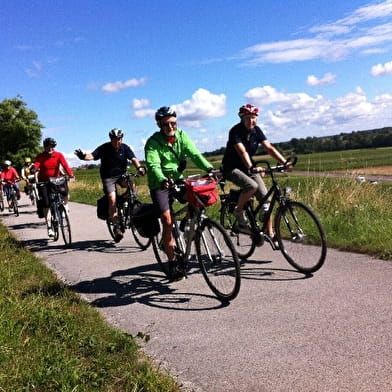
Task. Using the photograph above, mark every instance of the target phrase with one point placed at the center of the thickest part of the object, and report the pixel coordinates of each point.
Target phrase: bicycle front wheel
(218, 260)
(54, 220)
(65, 225)
(301, 236)
(243, 242)
(143, 242)
(15, 206)
(159, 252)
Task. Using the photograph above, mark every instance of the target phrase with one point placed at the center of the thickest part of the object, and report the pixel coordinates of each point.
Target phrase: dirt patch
(376, 170)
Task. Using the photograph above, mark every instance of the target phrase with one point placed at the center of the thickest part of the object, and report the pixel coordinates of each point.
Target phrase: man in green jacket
(166, 152)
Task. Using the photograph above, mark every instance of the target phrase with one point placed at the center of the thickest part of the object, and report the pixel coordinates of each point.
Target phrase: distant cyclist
(10, 177)
(114, 156)
(50, 163)
(238, 165)
(27, 174)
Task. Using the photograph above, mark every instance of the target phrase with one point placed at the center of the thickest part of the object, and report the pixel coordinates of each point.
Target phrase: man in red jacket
(50, 163)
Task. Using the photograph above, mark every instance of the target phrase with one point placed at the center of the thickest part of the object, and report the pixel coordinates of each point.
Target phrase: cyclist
(238, 166)
(50, 163)
(10, 177)
(27, 174)
(166, 152)
(114, 156)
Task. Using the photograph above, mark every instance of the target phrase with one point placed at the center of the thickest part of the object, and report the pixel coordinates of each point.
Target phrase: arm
(241, 150)
(84, 156)
(194, 154)
(271, 150)
(140, 169)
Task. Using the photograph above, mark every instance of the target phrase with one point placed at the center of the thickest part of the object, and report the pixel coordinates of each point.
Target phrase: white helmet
(7, 163)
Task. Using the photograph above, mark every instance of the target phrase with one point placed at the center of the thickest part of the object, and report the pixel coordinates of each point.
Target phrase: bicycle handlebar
(279, 167)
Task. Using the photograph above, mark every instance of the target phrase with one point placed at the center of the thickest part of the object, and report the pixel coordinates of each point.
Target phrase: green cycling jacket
(162, 162)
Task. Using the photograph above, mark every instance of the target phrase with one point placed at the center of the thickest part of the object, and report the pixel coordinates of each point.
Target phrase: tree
(20, 131)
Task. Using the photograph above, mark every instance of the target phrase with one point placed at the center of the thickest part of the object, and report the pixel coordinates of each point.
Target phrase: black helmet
(116, 133)
(164, 111)
(50, 142)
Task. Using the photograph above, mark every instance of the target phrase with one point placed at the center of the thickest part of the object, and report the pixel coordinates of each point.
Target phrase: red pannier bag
(201, 192)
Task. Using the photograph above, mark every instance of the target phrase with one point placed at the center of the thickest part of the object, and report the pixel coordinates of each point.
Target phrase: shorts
(109, 184)
(247, 182)
(161, 199)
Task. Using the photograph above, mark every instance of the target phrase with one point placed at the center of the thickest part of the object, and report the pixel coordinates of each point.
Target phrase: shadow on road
(251, 271)
(143, 284)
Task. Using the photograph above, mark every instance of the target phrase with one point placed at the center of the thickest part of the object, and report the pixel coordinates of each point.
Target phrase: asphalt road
(331, 332)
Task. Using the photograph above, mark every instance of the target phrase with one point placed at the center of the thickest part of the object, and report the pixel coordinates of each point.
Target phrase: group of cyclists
(166, 154)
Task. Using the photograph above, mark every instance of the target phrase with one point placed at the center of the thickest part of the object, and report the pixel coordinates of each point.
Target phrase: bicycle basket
(58, 185)
(201, 192)
(145, 219)
(103, 207)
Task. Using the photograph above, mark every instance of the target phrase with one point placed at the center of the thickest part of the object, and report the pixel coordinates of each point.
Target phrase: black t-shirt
(113, 163)
(250, 140)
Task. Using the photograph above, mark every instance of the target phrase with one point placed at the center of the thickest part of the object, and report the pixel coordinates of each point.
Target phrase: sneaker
(176, 271)
(118, 235)
(50, 232)
(241, 223)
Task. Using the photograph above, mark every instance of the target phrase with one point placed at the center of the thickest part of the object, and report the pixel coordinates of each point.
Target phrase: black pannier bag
(145, 218)
(102, 208)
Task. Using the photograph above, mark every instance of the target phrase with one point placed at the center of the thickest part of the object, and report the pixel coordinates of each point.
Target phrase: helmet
(27, 160)
(164, 111)
(50, 142)
(116, 133)
(248, 109)
(7, 163)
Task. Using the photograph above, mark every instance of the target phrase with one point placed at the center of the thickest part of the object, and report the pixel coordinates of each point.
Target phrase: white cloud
(114, 87)
(328, 78)
(202, 105)
(357, 32)
(140, 103)
(382, 69)
(288, 115)
(142, 113)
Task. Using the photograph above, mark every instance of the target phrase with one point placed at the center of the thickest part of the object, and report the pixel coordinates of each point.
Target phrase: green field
(356, 216)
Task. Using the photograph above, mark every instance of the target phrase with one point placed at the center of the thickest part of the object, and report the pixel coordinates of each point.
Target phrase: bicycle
(59, 217)
(215, 252)
(299, 233)
(12, 198)
(31, 190)
(126, 203)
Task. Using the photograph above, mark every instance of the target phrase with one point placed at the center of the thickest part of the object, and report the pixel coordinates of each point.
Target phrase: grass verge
(50, 340)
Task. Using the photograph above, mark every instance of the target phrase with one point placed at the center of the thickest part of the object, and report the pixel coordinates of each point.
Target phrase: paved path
(331, 332)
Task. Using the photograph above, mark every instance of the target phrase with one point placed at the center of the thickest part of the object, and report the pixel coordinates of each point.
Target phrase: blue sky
(314, 67)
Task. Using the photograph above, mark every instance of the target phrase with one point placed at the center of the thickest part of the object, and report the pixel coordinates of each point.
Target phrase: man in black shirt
(114, 156)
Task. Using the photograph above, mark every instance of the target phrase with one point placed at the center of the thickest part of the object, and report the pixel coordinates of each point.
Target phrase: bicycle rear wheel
(143, 242)
(243, 242)
(301, 236)
(218, 260)
(65, 225)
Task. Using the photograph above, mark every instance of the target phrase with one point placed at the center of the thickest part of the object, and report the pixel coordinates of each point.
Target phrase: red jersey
(10, 175)
(49, 165)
